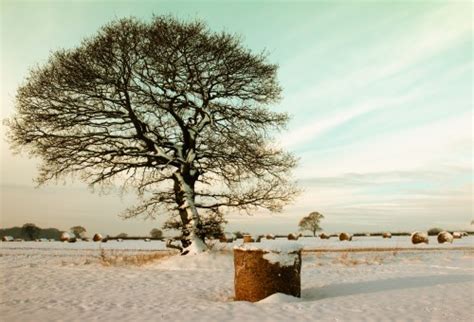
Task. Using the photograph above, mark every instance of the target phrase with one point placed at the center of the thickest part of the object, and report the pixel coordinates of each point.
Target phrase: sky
(380, 95)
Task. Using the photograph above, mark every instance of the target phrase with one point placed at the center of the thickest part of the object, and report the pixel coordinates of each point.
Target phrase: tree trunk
(192, 243)
(179, 197)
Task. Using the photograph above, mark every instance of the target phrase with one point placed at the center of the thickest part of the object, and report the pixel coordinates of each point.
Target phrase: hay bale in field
(270, 236)
(261, 272)
(7, 238)
(97, 237)
(119, 240)
(457, 235)
(65, 236)
(147, 240)
(345, 236)
(292, 236)
(445, 237)
(248, 239)
(324, 236)
(387, 235)
(72, 240)
(419, 237)
(104, 240)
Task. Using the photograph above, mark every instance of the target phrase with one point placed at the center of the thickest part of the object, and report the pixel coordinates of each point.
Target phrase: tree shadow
(345, 289)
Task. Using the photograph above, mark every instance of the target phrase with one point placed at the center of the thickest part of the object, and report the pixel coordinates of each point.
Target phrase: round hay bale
(119, 240)
(65, 236)
(445, 237)
(457, 235)
(324, 236)
(419, 237)
(104, 240)
(260, 273)
(97, 237)
(387, 235)
(147, 240)
(292, 236)
(270, 236)
(248, 239)
(72, 240)
(345, 236)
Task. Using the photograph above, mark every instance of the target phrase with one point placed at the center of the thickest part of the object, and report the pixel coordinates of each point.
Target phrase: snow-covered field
(55, 281)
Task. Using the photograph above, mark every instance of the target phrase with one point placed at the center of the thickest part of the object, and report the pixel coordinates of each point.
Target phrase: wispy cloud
(328, 102)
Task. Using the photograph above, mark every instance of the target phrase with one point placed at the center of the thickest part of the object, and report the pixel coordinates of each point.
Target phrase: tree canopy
(167, 108)
(30, 230)
(311, 222)
(156, 233)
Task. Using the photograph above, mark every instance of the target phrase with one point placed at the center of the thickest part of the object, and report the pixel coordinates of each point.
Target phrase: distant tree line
(30, 232)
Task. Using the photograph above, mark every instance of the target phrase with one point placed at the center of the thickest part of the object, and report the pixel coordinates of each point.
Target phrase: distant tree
(311, 222)
(31, 230)
(78, 231)
(434, 231)
(211, 225)
(122, 235)
(156, 233)
(239, 234)
(168, 108)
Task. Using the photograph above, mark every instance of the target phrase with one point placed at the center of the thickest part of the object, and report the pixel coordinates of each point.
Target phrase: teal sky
(380, 94)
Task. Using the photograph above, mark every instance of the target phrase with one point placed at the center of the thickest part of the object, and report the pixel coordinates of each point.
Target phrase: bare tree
(311, 222)
(167, 108)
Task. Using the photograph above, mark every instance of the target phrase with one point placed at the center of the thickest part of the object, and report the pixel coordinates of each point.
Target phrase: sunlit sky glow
(380, 95)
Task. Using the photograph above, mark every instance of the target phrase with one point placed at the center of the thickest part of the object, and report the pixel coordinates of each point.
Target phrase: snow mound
(274, 246)
(279, 298)
(284, 259)
(207, 261)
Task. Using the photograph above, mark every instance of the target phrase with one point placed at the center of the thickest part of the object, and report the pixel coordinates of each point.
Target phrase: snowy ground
(59, 281)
